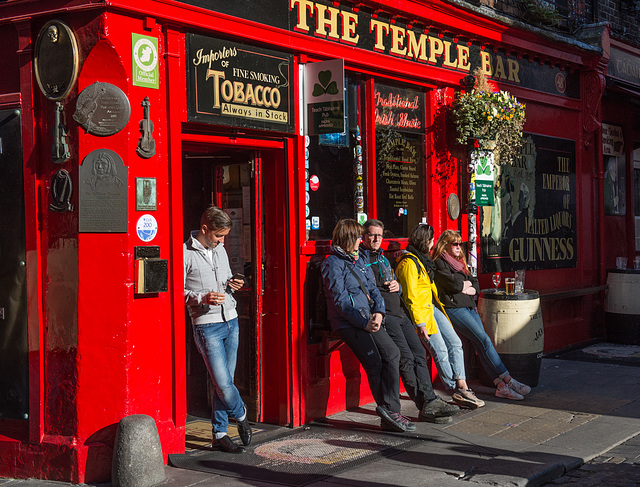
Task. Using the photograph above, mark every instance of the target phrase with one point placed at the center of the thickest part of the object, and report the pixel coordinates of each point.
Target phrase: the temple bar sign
(234, 84)
(363, 29)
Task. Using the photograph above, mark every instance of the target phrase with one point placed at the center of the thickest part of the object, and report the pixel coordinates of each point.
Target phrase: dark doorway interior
(14, 367)
(225, 177)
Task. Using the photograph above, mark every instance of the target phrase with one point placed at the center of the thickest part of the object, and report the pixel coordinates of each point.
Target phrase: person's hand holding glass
(217, 295)
(390, 280)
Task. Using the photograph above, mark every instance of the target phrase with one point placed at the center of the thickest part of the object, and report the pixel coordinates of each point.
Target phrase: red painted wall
(106, 353)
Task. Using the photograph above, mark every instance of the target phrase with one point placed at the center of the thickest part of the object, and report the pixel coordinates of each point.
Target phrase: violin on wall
(146, 143)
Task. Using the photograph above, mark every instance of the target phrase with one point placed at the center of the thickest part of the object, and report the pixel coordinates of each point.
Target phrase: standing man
(208, 288)
(413, 358)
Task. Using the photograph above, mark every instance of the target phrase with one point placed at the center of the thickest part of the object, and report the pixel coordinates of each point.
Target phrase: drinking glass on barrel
(510, 285)
(496, 279)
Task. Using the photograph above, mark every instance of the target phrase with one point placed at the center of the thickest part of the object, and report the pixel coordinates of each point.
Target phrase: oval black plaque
(56, 60)
(102, 109)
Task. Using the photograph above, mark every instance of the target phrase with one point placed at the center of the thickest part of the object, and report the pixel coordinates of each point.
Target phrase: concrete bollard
(137, 454)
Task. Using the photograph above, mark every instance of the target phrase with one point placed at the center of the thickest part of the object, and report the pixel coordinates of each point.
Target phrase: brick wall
(623, 15)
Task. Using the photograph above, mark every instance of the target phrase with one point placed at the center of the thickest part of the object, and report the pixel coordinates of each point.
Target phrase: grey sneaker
(519, 387)
(394, 421)
(508, 393)
(438, 411)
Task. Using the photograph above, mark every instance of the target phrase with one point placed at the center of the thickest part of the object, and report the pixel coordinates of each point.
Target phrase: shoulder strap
(364, 289)
(413, 258)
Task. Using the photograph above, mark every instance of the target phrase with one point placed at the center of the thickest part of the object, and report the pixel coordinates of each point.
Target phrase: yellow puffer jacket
(419, 292)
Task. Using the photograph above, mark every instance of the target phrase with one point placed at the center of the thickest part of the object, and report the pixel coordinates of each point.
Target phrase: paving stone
(477, 428)
(521, 409)
(530, 435)
(499, 416)
(597, 404)
(616, 460)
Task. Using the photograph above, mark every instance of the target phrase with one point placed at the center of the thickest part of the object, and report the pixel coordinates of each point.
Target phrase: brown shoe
(465, 398)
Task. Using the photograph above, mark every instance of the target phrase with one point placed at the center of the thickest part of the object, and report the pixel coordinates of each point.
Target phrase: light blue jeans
(445, 348)
(218, 344)
(467, 322)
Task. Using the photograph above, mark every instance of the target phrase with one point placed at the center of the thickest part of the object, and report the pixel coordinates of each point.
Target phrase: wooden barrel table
(622, 306)
(514, 324)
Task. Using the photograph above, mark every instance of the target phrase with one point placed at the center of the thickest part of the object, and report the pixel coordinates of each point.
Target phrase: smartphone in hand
(238, 276)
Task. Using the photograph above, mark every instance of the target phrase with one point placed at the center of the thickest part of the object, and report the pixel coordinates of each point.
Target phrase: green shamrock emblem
(326, 86)
(483, 167)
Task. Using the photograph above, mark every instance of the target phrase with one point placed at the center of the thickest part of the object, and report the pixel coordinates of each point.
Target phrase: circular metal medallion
(453, 206)
(102, 109)
(56, 60)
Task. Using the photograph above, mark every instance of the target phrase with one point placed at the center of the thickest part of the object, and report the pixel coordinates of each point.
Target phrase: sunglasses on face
(456, 244)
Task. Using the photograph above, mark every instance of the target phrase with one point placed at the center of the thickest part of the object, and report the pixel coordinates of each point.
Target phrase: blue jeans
(445, 348)
(467, 322)
(218, 344)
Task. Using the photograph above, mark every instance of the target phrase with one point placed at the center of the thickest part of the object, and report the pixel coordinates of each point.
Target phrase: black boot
(244, 429)
(225, 443)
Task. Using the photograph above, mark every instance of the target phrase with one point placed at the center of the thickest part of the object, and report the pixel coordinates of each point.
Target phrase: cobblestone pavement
(619, 467)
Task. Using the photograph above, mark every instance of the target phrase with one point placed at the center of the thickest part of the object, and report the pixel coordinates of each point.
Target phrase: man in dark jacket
(413, 360)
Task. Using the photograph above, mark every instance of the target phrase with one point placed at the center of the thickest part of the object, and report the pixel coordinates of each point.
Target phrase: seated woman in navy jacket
(356, 311)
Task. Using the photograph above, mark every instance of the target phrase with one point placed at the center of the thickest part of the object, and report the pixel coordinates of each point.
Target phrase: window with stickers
(334, 170)
(337, 166)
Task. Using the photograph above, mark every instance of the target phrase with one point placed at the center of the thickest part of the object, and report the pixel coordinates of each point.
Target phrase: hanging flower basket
(494, 118)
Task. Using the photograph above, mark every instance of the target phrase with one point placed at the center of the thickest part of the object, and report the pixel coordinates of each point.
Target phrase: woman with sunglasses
(415, 272)
(457, 289)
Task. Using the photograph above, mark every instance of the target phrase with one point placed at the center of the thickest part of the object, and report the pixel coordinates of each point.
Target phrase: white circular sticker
(147, 228)
(145, 55)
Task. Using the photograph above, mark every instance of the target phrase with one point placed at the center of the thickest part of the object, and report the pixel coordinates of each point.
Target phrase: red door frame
(273, 372)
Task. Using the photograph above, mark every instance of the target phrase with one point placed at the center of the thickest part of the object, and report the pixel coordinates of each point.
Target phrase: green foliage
(496, 119)
(540, 12)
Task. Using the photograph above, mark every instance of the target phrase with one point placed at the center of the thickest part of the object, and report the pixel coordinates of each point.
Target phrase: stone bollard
(137, 453)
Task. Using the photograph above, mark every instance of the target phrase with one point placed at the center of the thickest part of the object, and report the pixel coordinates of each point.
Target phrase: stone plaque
(103, 193)
(56, 60)
(102, 109)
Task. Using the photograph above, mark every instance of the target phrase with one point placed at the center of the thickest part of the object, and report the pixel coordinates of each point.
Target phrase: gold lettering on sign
(397, 40)
(541, 249)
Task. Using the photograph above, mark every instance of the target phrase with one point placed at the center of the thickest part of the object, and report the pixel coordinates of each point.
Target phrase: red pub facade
(121, 122)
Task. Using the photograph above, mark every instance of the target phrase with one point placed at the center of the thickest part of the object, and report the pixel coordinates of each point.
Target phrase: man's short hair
(215, 219)
(372, 222)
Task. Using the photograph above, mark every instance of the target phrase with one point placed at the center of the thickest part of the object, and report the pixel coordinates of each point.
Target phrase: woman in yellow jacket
(415, 271)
